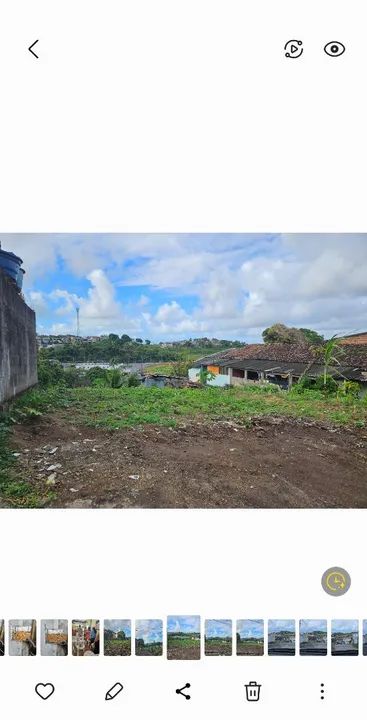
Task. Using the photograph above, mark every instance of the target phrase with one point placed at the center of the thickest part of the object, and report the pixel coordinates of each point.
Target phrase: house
(279, 363)
(356, 339)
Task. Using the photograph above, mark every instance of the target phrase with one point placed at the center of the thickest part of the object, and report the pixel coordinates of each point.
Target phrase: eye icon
(334, 49)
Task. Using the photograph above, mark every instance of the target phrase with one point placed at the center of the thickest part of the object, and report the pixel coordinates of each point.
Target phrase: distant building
(279, 363)
(356, 339)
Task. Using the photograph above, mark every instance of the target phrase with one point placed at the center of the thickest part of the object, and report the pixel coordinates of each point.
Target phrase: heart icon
(45, 690)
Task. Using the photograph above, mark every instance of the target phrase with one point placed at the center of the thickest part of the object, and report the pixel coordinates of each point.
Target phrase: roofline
(345, 337)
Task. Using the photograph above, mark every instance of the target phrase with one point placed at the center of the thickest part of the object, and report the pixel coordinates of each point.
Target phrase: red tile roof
(349, 355)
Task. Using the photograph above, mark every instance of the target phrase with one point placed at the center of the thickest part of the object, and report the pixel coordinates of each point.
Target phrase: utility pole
(77, 321)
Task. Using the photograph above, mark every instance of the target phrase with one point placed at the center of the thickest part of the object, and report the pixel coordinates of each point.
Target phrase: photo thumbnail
(85, 637)
(250, 637)
(281, 637)
(117, 637)
(54, 638)
(183, 371)
(218, 637)
(22, 637)
(148, 638)
(2, 638)
(344, 637)
(183, 637)
(313, 637)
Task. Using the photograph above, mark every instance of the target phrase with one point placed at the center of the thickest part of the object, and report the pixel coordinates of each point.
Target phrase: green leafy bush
(74, 377)
(50, 373)
(115, 378)
(97, 376)
(133, 380)
(349, 389)
(328, 386)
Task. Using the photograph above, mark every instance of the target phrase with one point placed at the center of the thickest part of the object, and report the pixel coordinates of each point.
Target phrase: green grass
(129, 407)
(117, 647)
(15, 489)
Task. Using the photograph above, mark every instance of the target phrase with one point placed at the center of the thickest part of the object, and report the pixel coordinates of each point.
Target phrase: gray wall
(18, 346)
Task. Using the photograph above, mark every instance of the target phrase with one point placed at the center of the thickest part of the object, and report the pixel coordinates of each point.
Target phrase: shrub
(50, 373)
(97, 376)
(306, 384)
(115, 378)
(181, 368)
(133, 380)
(327, 386)
(74, 377)
(349, 389)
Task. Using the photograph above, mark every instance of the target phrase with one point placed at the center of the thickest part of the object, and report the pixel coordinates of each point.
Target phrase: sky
(278, 625)
(250, 628)
(344, 626)
(166, 287)
(183, 623)
(218, 628)
(118, 625)
(306, 626)
(151, 631)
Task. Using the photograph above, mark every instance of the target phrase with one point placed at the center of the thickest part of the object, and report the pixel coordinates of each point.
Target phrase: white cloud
(99, 311)
(37, 301)
(236, 285)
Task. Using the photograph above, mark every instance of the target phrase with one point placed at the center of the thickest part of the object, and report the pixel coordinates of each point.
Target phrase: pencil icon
(114, 691)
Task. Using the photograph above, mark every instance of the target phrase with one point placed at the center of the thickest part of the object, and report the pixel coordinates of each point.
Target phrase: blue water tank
(11, 265)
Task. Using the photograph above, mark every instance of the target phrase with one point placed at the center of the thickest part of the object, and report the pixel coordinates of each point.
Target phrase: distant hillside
(116, 350)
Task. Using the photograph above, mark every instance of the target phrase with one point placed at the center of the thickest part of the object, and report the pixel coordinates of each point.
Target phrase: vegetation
(280, 333)
(117, 350)
(331, 353)
(142, 648)
(119, 645)
(15, 491)
(114, 408)
(113, 400)
(218, 646)
(183, 646)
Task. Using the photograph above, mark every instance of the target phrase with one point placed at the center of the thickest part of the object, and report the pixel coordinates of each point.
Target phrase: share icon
(179, 691)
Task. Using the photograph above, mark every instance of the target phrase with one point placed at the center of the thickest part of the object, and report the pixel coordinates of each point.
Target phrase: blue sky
(118, 625)
(178, 286)
(183, 623)
(312, 626)
(218, 628)
(344, 626)
(250, 628)
(149, 630)
(285, 625)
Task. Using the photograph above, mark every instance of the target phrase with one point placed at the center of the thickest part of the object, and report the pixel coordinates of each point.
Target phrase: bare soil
(274, 463)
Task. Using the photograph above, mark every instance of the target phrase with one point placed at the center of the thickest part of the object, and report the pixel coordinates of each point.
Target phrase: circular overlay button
(336, 581)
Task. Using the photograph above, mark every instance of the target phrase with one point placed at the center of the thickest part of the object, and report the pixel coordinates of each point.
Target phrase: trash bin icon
(253, 692)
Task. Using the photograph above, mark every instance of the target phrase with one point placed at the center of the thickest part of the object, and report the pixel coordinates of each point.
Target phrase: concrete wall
(18, 347)
(194, 374)
(219, 381)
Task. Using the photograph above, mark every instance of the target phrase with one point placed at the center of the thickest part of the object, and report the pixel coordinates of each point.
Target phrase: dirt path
(273, 464)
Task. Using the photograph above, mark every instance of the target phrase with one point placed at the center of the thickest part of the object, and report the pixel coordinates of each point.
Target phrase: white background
(164, 115)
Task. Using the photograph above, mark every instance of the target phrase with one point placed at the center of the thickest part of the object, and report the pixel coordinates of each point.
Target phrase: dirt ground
(274, 463)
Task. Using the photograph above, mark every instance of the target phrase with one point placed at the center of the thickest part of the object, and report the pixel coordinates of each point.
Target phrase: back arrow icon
(31, 50)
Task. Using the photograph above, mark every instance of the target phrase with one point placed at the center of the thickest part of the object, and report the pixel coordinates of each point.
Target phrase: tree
(283, 334)
(125, 338)
(138, 340)
(312, 337)
(330, 352)
(113, 337)
(148, 342)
